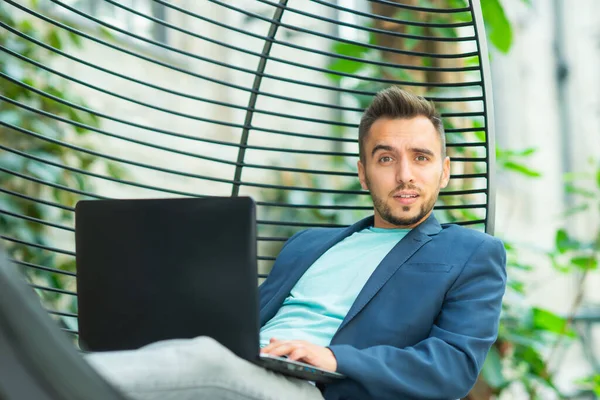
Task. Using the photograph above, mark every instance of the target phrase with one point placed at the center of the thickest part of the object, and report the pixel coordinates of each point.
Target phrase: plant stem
(571, 316)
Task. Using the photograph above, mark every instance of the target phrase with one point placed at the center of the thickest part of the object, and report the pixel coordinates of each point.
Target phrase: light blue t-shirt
(320, 300)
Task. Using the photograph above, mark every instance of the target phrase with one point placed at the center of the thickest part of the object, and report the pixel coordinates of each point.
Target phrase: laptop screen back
(150, 270)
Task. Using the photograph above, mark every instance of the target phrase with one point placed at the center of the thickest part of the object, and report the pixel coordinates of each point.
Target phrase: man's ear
(445, 173)
(361, 175)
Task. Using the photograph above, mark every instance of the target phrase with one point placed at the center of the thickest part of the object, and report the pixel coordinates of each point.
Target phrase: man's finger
(283, 350)
(272, 343)
(298, 353)
(277, 342)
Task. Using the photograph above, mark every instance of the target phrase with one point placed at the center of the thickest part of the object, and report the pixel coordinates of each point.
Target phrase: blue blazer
(424, 322)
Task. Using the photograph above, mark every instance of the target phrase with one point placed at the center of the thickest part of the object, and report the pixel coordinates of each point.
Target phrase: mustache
(404, 186)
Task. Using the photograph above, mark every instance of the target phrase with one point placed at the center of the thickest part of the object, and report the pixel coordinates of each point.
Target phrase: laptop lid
(150, 270)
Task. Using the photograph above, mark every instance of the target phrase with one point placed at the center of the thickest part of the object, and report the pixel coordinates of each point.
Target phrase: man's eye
(385, 159)
(422, 158)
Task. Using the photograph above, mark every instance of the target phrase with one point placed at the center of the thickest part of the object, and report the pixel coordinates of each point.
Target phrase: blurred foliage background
(42, 138)
(529, 338)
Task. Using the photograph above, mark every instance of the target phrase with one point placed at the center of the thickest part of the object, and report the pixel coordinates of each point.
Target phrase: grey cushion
(37, 361)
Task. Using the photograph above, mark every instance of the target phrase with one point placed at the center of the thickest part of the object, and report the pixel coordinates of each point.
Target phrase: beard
(387, 214)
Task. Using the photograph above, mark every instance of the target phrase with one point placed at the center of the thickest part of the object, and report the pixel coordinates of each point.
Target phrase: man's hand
(301, 350)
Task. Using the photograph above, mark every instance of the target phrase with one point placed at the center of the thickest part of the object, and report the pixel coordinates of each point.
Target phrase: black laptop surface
(157, 269)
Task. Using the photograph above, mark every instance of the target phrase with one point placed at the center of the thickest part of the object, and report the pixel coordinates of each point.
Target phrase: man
(405, 308)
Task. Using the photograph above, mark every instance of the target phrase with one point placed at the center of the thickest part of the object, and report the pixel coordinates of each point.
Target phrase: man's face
(403, 170)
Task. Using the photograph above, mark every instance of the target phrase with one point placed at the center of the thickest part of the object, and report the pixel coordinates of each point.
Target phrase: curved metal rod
(425, 9)
(254, 96)
(353, 42)
(488, 109)
(370, 29)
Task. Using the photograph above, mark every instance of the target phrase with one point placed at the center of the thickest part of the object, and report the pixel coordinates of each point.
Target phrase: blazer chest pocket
(428, 267)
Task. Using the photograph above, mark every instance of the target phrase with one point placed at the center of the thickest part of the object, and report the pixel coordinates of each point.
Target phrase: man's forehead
(419, 126)
(394, 133)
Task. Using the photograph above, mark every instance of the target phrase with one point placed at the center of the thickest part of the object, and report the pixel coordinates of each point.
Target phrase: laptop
(157, 269)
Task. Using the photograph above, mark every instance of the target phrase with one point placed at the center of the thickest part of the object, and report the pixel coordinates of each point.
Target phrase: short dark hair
(396, 103)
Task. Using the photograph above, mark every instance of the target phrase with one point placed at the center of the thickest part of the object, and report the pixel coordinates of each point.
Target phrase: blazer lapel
(401, 252)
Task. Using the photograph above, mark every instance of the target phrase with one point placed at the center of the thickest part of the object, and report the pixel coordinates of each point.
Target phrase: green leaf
(527, 152)
(518, 287)
(409, 43)
(343, 65)
(498, 28)
(548, 321)
(115, 170)
(564, 242)
(591, 383)
(573, 176)
(349, 49)
(560, 267)
(54, 40)
(580, 191)
(515, 153)
(598, 178)
(75, 39)
(427, 61)
(520, 266)
(106, 33)
(585, 262)
(576, 210)
(26, 26)
(520, 168)
(533, 360)
(472, 61)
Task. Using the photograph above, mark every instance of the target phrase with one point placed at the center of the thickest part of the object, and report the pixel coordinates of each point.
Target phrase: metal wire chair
(223, 98)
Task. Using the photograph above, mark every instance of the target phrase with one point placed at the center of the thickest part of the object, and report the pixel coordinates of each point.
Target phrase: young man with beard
(405, 308)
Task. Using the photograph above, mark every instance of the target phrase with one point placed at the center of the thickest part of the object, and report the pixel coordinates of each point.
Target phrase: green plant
(591, 384)
(580, 255)
(29, 140)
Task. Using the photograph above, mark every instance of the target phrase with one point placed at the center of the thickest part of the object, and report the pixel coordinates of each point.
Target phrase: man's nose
(404, 172)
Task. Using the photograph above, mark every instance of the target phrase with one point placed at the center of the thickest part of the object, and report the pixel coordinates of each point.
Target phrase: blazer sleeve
(447, 363)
